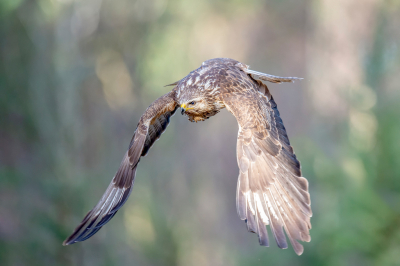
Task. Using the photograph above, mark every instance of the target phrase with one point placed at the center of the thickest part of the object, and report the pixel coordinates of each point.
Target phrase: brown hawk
(270, 188)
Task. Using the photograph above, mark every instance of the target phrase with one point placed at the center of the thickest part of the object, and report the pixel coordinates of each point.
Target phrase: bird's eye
(192, 102)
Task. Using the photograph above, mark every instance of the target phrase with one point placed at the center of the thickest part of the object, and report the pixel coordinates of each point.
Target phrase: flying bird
(270, 188)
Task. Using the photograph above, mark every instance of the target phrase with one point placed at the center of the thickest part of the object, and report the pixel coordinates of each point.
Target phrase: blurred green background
(75, 76)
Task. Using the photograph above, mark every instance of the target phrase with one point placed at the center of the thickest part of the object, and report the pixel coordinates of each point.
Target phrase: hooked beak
(183, 108)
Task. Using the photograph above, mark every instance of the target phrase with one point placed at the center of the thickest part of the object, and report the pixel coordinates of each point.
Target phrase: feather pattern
(270, 184)
(270, 187)
(152, 124)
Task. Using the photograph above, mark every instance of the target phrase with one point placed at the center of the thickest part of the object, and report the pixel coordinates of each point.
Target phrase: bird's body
(270, 188)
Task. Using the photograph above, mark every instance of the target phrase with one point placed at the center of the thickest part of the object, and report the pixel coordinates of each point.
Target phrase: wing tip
(270, 78)
(296, 78)
(299, 252)
(297, 247)
(68, 242)
(72, 239)
(263, 242)
(282, 245)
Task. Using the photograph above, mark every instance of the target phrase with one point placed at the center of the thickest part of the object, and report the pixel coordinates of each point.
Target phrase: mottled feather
(270, 188)
(152, 124)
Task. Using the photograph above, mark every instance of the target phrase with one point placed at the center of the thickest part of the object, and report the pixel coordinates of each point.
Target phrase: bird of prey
(270, 188)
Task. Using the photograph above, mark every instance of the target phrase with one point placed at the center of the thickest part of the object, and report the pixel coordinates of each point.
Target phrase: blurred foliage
(75, 76)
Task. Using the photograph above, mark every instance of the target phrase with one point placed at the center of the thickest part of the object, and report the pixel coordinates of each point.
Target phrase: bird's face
(198, 108)
(194, 106)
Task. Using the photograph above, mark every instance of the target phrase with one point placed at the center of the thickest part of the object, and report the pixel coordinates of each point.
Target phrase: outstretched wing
(151, 125)
(270, 187)
(265, 77)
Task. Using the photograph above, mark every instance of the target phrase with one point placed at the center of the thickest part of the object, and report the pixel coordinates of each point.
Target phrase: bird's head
(198, 94)
(198, 108)
(198, 102)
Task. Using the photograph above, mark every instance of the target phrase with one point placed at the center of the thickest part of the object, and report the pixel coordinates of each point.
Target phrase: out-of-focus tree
(75, 76)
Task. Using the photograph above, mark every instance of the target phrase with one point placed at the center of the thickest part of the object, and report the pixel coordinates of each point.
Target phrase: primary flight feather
(270, 189)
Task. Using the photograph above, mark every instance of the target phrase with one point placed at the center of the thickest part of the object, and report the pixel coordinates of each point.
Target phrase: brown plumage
(270, 187)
